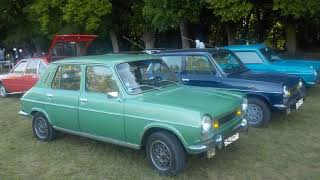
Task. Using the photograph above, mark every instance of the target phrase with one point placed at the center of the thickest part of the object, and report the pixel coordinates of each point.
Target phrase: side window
(174, 63)
(199, 65)
(99, 79)
(32, 67)
(42, 67)
(249, 57)
(67, 77)
(20, 67)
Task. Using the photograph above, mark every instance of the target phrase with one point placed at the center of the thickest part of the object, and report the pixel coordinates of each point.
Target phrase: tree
(165, 14)
(291, 11)
(230, 12)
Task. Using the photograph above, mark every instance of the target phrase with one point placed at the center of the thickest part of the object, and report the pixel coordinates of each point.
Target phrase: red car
(27, 72)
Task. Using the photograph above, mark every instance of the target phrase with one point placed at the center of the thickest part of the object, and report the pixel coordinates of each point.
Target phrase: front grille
(227, 118)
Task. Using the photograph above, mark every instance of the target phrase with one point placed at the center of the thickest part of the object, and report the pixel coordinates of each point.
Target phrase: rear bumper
(218, 140)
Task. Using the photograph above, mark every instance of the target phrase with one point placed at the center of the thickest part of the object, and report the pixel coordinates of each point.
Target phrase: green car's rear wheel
(165, 153)
(41, 128)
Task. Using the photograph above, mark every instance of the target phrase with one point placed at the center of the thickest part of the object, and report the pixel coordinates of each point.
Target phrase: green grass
(288, 149)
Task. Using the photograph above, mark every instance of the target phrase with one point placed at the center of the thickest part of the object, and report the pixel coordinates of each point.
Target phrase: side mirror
(113, 94)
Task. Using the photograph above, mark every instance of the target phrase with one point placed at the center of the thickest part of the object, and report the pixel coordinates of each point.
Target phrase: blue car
(259, 57)
(221, 68)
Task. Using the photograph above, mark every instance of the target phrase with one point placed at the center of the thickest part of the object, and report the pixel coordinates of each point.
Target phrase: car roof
(246, 47)
(106, 59)
(193, 50)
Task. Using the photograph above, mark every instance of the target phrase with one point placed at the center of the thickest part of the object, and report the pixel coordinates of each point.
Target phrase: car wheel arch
(38, 110)
(156, 128)
(261, 97)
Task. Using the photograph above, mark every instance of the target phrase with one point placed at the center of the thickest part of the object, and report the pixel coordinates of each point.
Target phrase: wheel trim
(2, 91)
(41, 128)
(254, 114)
(160, 155)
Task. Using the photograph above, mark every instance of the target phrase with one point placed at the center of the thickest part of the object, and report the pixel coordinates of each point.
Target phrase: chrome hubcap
(254, 114)
(160, 155)
(41, 127)
(2, 91)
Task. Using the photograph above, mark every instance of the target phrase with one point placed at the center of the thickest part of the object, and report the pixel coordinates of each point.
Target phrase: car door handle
(84, 100)
(49, 95)
(184, 79)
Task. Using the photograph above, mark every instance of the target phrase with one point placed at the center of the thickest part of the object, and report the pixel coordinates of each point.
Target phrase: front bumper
(24, 114)
(217, 141)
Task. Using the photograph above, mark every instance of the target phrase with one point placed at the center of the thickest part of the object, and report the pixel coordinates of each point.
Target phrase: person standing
(2, 50)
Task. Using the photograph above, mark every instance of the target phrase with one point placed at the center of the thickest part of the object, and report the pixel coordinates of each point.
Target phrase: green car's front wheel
(165, 153)
(258, 113)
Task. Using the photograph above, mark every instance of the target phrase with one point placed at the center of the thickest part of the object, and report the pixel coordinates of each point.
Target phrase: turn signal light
(238, 112)
(215, 124)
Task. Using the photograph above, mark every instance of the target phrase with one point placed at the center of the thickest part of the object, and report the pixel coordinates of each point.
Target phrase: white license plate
(299, 103)
(231, 139)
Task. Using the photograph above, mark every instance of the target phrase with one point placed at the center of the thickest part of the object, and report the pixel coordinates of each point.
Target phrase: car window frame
(85, 79)
(192, 74)
(25, 72)
(55, 73)
(254, 51)
(18, 65)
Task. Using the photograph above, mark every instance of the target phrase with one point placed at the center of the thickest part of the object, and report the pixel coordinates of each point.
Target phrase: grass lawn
(288, 149)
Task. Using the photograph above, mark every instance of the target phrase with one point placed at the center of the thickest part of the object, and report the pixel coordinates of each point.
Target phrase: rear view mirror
(113, 94)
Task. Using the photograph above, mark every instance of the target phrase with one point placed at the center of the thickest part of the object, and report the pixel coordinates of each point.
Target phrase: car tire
(41, 128)
(165, 153)
(258, 113)
(3, 91)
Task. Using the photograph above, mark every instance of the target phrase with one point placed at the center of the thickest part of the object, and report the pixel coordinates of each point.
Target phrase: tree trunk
(184, 34)
(148, 38)
(230, 34)
(114, 41)
(291, 41)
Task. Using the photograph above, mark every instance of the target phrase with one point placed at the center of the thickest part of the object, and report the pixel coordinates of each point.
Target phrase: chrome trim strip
(99, 138)
(280, 106)
(197, 148)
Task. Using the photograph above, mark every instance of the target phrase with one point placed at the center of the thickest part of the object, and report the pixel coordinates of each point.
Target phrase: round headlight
(244, 104)
(315, 73)
(206, 124)
(286, 92)
(300, 84)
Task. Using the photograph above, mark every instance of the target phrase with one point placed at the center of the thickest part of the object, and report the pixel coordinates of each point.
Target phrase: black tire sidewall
(50, 135)
(265, 111)
(176, 149)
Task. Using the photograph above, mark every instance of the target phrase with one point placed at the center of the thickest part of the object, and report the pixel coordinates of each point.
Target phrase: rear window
(249, 57)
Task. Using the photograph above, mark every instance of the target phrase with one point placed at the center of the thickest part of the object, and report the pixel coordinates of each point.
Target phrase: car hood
(206, 100)
(264, 77)
(298, 63)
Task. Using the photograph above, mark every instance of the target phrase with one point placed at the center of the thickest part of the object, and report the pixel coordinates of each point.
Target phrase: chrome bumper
(24, 114)
(217, 142)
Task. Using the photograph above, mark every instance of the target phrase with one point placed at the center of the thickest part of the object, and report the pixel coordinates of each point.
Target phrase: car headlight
(206, 124)
(286, 91)
(244, 105)
(300, 84)
(315, 73)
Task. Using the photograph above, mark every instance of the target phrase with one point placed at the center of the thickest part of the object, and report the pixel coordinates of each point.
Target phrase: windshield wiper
(143, 85)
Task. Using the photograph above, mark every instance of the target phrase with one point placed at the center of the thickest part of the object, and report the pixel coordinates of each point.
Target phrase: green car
(114, 98)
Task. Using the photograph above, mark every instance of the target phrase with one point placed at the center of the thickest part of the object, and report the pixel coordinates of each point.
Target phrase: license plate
(231, 139)
(299, 103)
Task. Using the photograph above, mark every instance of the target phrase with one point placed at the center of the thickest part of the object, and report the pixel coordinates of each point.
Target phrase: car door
(101, 107)
(14, 81)
(198, 70)
(30, 76)
(63, 97)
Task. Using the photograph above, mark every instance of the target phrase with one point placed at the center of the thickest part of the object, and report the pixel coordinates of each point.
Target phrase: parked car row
(171, 103)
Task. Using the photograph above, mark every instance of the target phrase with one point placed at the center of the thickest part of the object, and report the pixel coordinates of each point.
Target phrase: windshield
(269, 53)
(145, 75)
(228, 62)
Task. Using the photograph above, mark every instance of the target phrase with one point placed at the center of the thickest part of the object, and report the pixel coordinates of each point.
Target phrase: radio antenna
(136, 44)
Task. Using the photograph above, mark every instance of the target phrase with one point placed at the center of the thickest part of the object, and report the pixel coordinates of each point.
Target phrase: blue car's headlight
(315, 73)
(286, 92)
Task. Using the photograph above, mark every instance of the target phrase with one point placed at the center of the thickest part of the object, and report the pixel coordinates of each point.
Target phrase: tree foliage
(297, 8)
